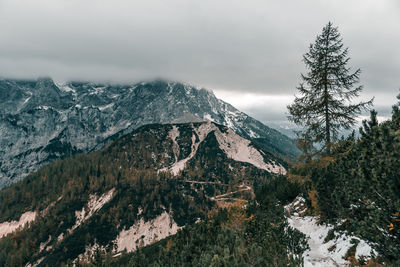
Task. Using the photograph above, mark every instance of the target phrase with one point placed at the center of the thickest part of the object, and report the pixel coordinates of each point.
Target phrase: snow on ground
(173, 134)
(95, 203)
(90, 251)
(62, 86)
(253, 134)
(202, 131)
(111, 130)
(36, 263)
(331, 253)
(240, 149)
(26, 100)
(234, 146)
(101, 108)
(43, 245)
(207, 117)
(144, 233)
(9, 227)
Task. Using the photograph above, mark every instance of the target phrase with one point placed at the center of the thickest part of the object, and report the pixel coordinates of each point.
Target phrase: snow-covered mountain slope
(137, 190)
(42, 121)
(234, 146)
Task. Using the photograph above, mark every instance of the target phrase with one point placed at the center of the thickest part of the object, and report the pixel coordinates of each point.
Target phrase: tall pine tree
(326, 92)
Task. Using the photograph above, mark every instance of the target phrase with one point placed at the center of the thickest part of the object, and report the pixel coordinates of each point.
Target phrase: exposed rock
(42, 121)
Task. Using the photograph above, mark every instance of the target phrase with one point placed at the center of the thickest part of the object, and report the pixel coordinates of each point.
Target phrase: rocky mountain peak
(42, 121)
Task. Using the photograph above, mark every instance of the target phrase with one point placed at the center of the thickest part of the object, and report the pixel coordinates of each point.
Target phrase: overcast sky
(248, 52)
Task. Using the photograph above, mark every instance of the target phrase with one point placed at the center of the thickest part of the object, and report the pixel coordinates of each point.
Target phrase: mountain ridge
(105, 198)
(42, 121)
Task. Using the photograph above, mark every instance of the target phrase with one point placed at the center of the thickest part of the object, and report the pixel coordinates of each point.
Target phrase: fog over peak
(230, 46)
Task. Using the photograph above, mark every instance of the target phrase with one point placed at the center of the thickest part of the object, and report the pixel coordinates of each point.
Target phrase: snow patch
(240, 149)
(9, 227)
(202, 131)
(90, 252)
(173, 134)
(253, 134)
(42, 107)
(43, 245)
(36, 263)
(331, 253)
(60, 237)
(144, 233)
(207, 117)
(110, 131)
(97, 90)
(26, 100)
(364, 250)
(95, 203)
(62, 86)
(101, 108)
(234, 146)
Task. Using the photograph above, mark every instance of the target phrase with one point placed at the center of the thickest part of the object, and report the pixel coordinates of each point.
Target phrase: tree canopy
(327, 92)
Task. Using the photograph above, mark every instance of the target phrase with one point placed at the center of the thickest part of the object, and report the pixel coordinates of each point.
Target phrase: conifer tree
(325, 104)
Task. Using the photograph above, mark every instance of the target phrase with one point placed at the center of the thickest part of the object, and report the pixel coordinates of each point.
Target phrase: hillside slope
(258, 235)
(137, 190)
(42, 121)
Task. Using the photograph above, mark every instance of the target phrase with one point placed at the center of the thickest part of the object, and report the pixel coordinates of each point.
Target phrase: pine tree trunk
(327, 122)
(326, 106)
(326, 96)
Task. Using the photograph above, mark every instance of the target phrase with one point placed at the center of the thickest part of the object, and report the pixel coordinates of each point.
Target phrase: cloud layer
(251, 46)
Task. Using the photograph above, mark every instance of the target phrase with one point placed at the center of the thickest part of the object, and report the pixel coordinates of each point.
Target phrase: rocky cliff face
(42, 121)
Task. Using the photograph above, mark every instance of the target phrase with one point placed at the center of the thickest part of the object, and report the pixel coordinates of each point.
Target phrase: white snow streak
(144, 233)
(208, 117)
(101, 108)
(26, 100)
(202, 131)
(173, 134)
(9, 227)
(95, 203)
(327, 254)
(234, 146)
(240, 149)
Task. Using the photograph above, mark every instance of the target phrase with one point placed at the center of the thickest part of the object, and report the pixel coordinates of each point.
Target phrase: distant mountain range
(42, 121)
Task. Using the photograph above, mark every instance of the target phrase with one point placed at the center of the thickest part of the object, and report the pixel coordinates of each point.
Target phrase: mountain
(137, 190)
(42, 121)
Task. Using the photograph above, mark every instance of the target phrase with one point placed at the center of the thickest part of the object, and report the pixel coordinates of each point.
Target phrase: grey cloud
(253, 46)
